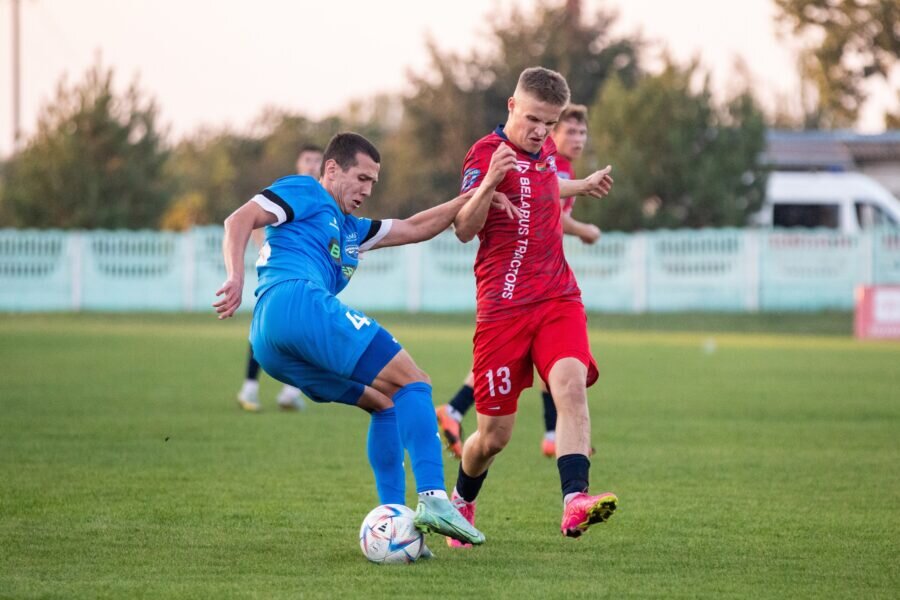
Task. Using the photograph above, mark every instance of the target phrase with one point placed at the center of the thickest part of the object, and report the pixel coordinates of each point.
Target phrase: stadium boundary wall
(698, 270)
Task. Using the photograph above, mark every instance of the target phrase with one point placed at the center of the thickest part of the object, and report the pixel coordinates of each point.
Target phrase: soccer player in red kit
(529, 311)
(570, 137)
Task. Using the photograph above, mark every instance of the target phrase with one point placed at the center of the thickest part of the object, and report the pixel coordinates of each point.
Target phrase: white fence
(714, 270)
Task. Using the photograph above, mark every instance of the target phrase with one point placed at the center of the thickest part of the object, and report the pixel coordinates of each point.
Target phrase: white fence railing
(715, 270)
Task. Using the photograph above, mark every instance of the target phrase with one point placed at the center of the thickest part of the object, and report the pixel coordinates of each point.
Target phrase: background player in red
(529, 310)
(570, 137)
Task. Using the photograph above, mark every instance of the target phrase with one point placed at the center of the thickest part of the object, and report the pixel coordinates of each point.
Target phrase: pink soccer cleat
(583, 510)
(467, 510)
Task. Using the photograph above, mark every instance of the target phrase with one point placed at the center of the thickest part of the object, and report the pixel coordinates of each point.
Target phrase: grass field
(754, 456)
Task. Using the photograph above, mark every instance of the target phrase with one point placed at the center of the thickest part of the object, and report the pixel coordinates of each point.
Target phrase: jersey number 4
(359, 321)
(502, 377)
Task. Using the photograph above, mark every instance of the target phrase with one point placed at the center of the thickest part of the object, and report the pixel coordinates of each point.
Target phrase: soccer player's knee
(495, 441)
(570, 396)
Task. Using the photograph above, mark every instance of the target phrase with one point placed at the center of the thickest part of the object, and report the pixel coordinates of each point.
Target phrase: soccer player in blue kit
(303, 335)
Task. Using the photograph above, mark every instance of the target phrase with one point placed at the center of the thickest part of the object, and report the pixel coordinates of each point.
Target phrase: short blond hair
(545, 85)
(573, 112)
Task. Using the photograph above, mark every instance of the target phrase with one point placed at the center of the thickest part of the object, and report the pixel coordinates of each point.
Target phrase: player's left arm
(598, 185)
(428, 223)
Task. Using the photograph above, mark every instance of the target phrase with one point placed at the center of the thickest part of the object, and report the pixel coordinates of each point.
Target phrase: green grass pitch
(754, 456)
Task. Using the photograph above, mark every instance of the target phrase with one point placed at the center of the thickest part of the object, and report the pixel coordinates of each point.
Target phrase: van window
(806, 215)
(870, 215)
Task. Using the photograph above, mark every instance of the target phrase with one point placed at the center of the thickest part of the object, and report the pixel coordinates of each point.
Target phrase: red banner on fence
(877, 312)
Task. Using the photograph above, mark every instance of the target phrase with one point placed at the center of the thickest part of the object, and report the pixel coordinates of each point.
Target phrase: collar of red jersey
(499, 131)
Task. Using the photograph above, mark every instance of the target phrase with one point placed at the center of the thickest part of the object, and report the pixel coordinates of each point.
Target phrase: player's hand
(590, 234)
(599, 183)
(501, 202)
(232, 290)
(502, 162)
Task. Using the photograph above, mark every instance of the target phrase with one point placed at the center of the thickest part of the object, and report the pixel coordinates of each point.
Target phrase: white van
(846, 202)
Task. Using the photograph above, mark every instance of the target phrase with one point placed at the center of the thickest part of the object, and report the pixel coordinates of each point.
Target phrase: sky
(213, 63)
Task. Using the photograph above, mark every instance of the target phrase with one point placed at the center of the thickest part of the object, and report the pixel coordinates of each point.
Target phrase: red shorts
(508, 350)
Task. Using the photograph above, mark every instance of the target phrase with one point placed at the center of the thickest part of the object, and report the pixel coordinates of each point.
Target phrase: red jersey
(519, 262)
(565, 171)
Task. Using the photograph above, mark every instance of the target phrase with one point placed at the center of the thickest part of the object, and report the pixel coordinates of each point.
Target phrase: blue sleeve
(363, 226)
(369, 232)
(292, 198)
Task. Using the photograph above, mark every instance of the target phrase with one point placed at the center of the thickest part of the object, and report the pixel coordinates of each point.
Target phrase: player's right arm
(238, 227)
(472, 216)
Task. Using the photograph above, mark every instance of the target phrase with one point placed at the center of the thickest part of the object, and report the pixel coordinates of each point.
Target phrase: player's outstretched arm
(598, 185)
(586, 232)
(430, 222)
(238, 227)
(472, 216)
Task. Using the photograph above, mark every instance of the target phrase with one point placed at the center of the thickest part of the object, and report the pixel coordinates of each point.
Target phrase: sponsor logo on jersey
(469, 178)
(521, 247)
(351, 237)
(522, 166)
(334, 249)
(348, 271)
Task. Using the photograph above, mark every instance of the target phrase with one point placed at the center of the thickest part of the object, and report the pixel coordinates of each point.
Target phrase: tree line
(681, 157)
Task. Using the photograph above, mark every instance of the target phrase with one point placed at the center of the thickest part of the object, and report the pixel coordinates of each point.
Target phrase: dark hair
(344, 147)
(545, 85)
(310, 148)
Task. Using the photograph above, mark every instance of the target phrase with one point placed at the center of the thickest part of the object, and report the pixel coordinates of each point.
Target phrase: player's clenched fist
(502, 162)
(599, 183)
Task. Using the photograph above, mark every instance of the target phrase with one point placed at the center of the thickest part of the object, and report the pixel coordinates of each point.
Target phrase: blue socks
(418, 432)
(386, 457)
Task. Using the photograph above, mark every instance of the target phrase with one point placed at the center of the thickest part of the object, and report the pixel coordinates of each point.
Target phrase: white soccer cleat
(249, 400)
(289, 399)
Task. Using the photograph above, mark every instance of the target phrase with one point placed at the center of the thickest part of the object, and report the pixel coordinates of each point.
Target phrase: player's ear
(511, 103)
(331, 167)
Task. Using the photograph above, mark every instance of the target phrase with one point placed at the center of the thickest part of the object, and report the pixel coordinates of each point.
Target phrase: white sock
(568, 498)
(550, 435)
(455, 414)
(250, 386)
(433, 494)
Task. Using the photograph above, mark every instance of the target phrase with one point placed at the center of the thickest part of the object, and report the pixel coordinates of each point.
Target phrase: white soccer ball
(388, 535)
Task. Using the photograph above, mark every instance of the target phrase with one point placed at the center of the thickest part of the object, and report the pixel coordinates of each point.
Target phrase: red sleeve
(475, 166)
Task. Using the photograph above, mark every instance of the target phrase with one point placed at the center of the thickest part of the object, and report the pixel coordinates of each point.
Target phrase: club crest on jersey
(334, 249)
(352, 250)
(469, 178)
(549, 164)
(522, 166)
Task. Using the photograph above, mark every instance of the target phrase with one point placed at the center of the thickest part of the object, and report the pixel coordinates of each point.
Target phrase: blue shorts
(303, 335)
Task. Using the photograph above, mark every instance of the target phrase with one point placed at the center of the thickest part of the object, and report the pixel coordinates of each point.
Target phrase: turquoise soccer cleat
(438, 515)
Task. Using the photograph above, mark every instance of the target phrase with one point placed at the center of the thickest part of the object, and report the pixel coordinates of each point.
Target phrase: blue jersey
(312, 240)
